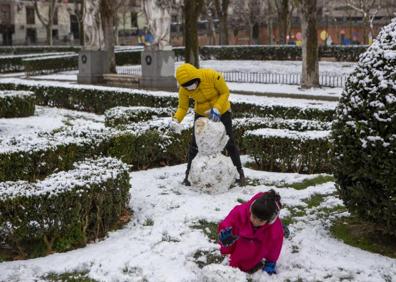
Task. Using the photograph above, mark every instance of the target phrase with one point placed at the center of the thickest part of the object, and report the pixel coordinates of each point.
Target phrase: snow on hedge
(83, 175)
(13, 93)
(290, 134)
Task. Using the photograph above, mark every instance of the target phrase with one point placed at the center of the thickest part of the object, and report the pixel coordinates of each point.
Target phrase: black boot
(242, 179)
(186, 182)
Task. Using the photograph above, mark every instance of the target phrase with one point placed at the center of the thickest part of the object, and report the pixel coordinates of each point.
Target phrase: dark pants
(231, 147)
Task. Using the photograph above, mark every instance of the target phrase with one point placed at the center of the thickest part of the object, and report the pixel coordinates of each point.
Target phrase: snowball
(210, 136)
(217, 272)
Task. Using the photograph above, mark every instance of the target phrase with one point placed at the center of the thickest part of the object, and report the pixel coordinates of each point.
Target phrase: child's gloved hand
(213, 114)
(270, 267)
(226, 237)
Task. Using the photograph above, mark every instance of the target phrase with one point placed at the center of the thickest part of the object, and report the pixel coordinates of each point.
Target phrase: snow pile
(211, 171)
(218, 272)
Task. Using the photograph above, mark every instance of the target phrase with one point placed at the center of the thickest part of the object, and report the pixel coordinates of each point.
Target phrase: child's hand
(226, 237)
(270, 267)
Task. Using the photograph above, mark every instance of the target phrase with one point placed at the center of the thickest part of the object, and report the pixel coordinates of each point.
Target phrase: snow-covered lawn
(159, 243)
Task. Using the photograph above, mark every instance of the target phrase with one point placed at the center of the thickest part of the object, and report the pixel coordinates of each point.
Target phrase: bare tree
(284, 9)
(222, 13)
(237, 19)
(310, 64)
(192, 9)
(108, 13)
(248, 14)
(48, 20)
(368, 9)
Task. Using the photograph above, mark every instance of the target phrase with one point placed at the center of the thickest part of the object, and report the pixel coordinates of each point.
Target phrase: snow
(11, 93)
(291, 134)
(164, 251)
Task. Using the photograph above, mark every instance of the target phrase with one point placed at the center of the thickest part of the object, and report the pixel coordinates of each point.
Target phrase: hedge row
(99, 99)
(124, 115)
(278, 52)
(37, 49)
(16, 104)
(15, 63)
(64, 211)
(49, 64)
(289, 151)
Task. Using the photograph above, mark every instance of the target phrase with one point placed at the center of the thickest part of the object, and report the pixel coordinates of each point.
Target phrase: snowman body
(211, 171)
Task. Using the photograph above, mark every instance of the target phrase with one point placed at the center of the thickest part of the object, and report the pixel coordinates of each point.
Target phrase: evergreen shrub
(124, 115)
(364, 135)
(16, 104)
(289, 151)
(65, 210)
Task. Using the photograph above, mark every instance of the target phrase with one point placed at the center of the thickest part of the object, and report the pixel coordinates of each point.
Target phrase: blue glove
(226, 237)
(270, 267)
(214, 114)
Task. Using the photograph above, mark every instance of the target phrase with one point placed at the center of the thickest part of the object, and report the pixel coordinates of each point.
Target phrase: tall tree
(310, 64)
(222, 13)
(192, 10)
(78, 12)
(108, 13)
(48, 20)
(368, 10)
(210, 12)
(283, 8)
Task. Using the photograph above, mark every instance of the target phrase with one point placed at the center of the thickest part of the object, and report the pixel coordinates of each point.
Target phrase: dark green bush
(98, 100)
(16, 104)
(364, 135)
(50, 64)
(64, 211)
(124, 115)
(278, 52)
(289, 151)
(37, 49)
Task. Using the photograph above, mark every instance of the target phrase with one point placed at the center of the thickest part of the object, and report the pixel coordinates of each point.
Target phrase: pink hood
(254, 244)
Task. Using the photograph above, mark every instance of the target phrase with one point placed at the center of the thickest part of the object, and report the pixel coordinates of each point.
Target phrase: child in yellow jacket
(210, 93)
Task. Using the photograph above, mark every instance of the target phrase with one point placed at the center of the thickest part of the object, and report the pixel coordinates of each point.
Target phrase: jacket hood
(186, 72)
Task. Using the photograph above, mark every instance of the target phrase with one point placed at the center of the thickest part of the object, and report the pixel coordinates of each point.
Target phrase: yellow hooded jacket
(212, 91)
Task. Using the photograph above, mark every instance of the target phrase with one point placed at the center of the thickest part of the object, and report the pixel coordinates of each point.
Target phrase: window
(134, 19)
(30, 15)
(55, 20)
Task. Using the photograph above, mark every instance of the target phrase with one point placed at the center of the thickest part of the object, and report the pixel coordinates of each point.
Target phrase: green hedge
(124, 115)
(289, 151)
(64, 211)
(49, 64)
(98, 100)
(37, 49)
(278, 52)
(16, 104)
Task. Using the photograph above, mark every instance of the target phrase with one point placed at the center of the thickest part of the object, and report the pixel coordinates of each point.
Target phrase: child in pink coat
(252, 232)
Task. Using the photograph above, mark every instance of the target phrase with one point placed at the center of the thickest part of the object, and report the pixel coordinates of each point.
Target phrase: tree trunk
(222, 12)
(48, 29)
(81, 32)
(283, 16)
(192, 10)
(270, 28)
(310, 65)
(107, 15)
(366, 28)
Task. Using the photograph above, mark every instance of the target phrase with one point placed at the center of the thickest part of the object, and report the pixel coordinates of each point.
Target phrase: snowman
(211, 171)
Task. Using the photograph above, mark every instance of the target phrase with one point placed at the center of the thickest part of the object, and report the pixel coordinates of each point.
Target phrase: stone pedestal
(158, 70)
(91, 65)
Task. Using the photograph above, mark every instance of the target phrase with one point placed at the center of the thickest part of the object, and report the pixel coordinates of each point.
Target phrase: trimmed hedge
(64, 211)
(278, 52)
(289, 151)
(16, 104)
(98, 100)
(37, 49)
(364, 136)
(50, 64)
(124, 115)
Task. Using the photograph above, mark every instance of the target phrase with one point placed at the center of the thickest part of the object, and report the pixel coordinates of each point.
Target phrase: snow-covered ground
(159, 243)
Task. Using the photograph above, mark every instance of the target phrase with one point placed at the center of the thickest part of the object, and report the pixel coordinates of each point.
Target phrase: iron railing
(325, 79)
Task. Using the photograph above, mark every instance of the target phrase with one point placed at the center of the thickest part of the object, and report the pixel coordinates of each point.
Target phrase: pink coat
(254, 244)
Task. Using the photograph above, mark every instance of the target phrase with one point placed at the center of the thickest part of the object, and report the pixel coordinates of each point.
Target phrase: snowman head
(210, 136)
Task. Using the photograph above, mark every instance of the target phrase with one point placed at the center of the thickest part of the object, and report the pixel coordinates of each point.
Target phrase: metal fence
(328, 80)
